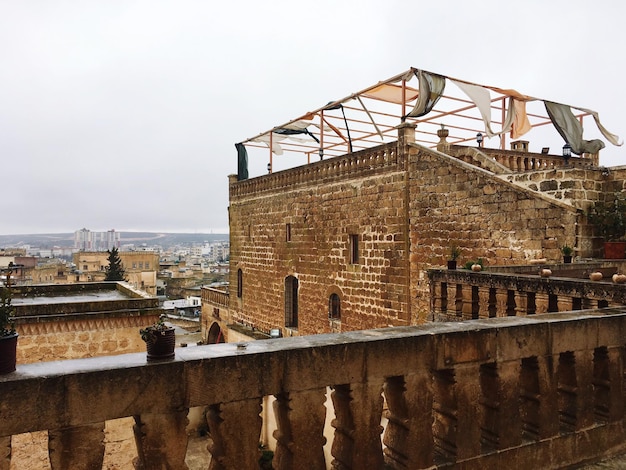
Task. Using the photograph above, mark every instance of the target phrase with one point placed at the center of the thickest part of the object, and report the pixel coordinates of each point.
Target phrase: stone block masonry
(397, 208)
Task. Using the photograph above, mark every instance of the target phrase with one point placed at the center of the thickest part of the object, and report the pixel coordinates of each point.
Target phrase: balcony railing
(521, 161)
(215, 297)
(466, 295)
(545, 391)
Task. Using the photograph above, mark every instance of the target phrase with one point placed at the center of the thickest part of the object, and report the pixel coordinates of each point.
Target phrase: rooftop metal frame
(366, 119)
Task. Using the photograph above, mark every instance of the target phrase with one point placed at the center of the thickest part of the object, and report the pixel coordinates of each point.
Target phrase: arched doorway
(215, 334)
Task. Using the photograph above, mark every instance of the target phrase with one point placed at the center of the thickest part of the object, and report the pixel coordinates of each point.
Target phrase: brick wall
(320, 218)
(417, 203)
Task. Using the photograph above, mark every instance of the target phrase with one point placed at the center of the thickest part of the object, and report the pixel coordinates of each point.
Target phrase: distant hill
(66, 240)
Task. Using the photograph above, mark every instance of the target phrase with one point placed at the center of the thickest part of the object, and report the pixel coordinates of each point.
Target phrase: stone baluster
(584, 389)
(567, 391)
(300, 440)
(79, 447)
(521, 304)
(541, 302)
(508, 425)
(616, 384)
(5, 453)
(439, 293)
(161, 440)
(548, 399)
(358, 411)
(408, 436)
(234, 430)
(564, 303)
(484, 298)
(469, 412)
(452, 300)
(501, 301)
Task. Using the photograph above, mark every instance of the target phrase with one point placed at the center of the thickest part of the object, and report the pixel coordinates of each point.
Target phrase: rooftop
(370, 117)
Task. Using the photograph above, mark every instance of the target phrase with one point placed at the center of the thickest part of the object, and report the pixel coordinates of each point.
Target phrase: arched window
(334, 307)
(239, 283)
(291, 302)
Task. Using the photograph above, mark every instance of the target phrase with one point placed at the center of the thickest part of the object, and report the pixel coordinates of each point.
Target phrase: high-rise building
(86, 240)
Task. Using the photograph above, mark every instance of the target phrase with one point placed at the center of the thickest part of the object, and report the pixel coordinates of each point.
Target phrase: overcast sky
(122, 114)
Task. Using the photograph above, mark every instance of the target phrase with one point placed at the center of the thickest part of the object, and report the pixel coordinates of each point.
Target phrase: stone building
(345, 243)
(140, 267)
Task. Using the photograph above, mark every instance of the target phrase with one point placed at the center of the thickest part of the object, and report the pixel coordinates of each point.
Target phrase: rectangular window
(134, 265)
(141, 265)
(288, 232)
(354, 249)
(147, 264)
(84, 267)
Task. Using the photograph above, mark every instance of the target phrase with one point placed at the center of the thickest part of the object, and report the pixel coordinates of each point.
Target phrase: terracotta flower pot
(8, 353)
(596, 276)
(619, 278)
(614, 250)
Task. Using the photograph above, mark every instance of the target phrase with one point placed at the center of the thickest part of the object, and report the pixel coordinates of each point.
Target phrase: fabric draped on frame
(521, 124)
(571, 129)
(242, 162)
(481, 97)
(431, 88)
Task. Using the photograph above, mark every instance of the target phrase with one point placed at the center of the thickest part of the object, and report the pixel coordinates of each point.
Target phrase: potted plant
(455, 252)
(567, 253)
(8, 335)
(160, 340)
(609, 218)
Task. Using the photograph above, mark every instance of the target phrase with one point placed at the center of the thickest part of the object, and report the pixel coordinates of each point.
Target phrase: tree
(115, 269)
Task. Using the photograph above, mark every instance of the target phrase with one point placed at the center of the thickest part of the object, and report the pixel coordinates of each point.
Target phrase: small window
(147, 265)
(354, 249)
(334, 307)
(288, 232)
(239, 283)
(134, 265)
(291, 302)
(85, 267)
(141, 265)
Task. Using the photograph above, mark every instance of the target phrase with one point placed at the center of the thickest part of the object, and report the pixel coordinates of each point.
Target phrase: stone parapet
(464, 294)
(545, 391)
(357, 164)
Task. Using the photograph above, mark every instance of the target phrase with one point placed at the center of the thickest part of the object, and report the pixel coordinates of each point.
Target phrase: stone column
(408, 436)
(161, 440)
(79, 447)
(5, 453)
(358, 410)
(234, 429)
(300, 440)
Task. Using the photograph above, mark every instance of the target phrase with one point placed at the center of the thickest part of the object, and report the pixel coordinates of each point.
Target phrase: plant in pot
(8, 335)
(160, 340)
(567, 253)
(609, 218)
(455, 252)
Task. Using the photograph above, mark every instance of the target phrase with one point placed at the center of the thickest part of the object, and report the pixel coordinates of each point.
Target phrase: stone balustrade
(545, 391)
(518, 161)
(466, 295)
(358, 163)
(214, 297)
